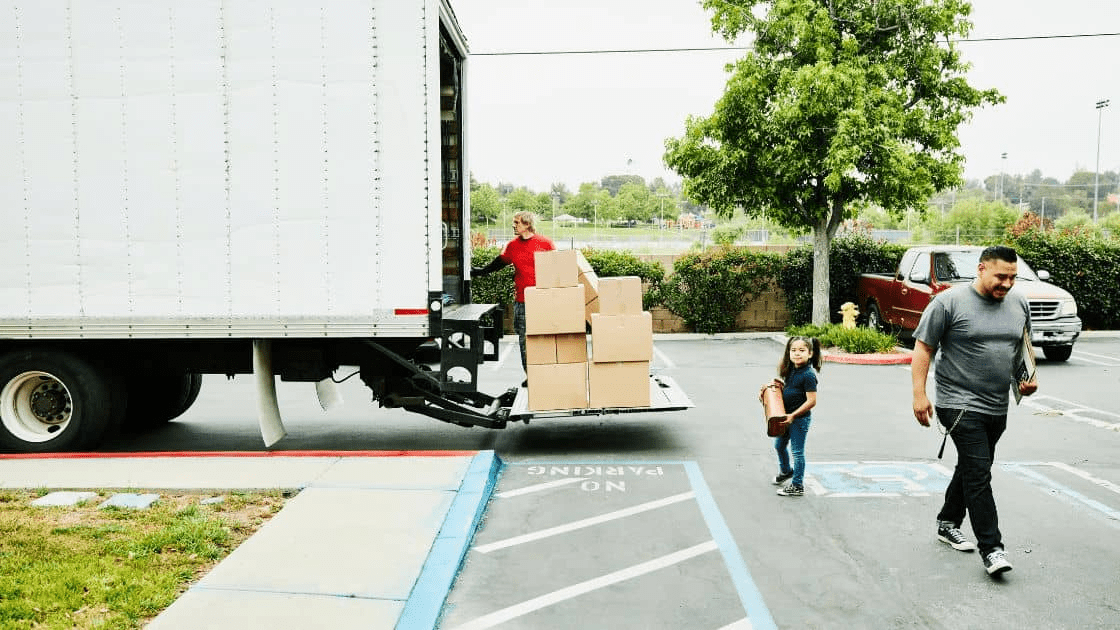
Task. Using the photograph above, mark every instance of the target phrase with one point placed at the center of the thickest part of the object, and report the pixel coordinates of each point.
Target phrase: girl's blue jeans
(795, 440)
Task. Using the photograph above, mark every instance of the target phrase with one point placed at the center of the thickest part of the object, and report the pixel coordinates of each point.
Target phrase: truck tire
(874, 317)
(51, 401)
(159, 398)
(1057, 353)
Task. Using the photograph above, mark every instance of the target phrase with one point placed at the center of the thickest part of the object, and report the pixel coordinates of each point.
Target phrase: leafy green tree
(590, 202)
(485, 206)
(614, 183)
(636, 203)
(1111, 222)
(973, 221)
(841, 104)
(1074, 220)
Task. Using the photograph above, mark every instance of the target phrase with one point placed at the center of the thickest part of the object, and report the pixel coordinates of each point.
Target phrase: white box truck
(264, 187)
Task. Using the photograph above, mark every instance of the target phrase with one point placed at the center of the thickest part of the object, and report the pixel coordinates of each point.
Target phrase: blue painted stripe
(425, 602)
(749, 594)
(1063, 489)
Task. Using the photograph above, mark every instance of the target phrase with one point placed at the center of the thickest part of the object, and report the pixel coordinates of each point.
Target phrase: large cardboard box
(621, 337)
(590, 309)
(620, 295)
(556, 269)
(557, 386)
(554, 311)
(621, 384)
(587, 277)
(549, 349)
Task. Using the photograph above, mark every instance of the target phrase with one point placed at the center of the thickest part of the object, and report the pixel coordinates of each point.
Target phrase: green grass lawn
(114, 568)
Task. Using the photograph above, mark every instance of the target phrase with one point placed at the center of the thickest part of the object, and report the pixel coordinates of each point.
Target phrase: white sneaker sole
(997, 569)
(965, 546)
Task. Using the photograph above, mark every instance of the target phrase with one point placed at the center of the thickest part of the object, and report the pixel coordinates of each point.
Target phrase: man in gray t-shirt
(975, 331)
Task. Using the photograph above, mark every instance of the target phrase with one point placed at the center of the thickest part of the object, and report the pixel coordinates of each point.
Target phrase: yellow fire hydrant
(849, 312)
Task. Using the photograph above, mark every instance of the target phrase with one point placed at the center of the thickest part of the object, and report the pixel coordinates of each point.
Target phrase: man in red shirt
(520, 252)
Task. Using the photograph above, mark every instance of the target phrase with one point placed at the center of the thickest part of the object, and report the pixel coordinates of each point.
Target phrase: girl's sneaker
(781, 478)
(790, 490)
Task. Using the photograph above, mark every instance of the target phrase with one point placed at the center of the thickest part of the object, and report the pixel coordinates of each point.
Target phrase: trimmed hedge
(708, 290)
(857, 340)
(1087, 267)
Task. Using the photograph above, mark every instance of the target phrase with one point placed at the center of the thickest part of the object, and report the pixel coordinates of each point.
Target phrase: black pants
(519, 328)
(970, 489)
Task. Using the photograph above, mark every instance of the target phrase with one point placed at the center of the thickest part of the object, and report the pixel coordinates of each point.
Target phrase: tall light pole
(1097, 175)
(661, 212)
(1002, 168)
(595, 226)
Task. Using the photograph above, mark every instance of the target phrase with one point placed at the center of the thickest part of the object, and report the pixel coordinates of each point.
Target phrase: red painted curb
(135, 455)
(895, 358)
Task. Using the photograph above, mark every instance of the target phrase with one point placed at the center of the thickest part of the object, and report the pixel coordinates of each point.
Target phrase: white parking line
(1073, 412)
(1049, 484)
(575, 590)
(1080, 356)
(1104, 483)
(1114, 359)
(539, 487)
(664, 359)
(503, 356)
(587, 522)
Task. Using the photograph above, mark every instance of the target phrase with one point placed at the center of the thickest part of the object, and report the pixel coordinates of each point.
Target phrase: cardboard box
(549, 349)
(621, 295)
(557, 386)
(621, 337)
(587, 278)
(554, 311)
(622, 384)
(590, 309)
(556, 269)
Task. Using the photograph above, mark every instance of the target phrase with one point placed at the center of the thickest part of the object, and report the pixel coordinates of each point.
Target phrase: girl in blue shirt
(799, 395)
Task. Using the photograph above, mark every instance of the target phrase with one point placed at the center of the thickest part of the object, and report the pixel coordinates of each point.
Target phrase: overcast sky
(538, 119)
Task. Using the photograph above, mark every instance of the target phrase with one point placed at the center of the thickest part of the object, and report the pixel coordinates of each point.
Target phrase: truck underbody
(71, 395)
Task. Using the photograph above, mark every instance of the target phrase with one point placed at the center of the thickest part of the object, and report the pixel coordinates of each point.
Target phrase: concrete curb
(894, 358)
(449, 550)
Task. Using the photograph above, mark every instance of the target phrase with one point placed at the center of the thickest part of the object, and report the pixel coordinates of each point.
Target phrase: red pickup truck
(897, 300)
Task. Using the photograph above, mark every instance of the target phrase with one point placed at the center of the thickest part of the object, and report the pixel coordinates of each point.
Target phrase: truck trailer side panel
(211, 163)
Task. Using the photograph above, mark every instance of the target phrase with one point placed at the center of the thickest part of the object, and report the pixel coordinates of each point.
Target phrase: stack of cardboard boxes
(621, 345)
(567, 296)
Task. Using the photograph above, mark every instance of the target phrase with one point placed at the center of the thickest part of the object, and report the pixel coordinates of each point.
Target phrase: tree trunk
(821, 238)
(823, 232)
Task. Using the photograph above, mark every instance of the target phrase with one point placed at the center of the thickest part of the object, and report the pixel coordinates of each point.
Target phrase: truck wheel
(1057, 353)
(159, 398)
(874, 318)
(51, 401)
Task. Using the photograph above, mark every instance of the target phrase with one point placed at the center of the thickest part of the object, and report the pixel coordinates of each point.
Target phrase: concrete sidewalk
(372, 540)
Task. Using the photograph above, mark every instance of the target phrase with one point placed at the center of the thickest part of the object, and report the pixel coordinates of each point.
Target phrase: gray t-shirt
(975, 339)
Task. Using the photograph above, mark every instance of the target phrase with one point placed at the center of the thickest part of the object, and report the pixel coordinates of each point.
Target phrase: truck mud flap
(664, 395)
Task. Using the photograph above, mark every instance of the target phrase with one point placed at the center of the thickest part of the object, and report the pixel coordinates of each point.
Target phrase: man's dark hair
(1002, 252)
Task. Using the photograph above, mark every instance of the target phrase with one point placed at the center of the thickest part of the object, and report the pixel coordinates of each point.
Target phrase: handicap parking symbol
(876, 479)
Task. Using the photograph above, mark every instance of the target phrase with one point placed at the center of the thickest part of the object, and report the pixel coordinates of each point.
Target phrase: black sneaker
(950, 534)
(995, 562)
(781, 478)
(790, 490)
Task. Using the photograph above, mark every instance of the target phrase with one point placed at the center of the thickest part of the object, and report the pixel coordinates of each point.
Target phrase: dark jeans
(519, 328)
(970, 489)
